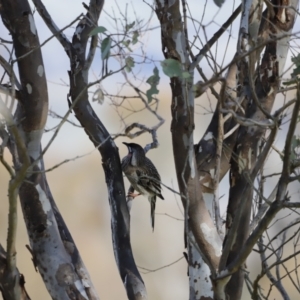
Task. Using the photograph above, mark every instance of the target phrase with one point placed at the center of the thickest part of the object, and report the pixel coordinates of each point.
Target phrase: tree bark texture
(10, 282)
(259, 102)
(250, 94)
(56, 258)
(200, 230)
(98, 134)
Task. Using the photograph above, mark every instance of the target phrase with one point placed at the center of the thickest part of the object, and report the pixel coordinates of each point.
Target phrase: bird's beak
(128, 148)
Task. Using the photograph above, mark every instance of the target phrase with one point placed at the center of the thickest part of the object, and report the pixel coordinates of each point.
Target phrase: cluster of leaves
(295, 79)
(106, 43)
(295, 75)
(171, 67)
(296, 71)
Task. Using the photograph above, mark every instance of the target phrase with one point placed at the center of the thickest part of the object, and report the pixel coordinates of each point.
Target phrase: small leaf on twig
(296, 71)
(129, 64)
(219, 3)
(153, 81)
(98, 96)
(296, 61)
(135, 37)
(105, 48)
(129, 26)
(173, 68)
(199, 88)
(99, 29)
(126, 44)
(295, 148)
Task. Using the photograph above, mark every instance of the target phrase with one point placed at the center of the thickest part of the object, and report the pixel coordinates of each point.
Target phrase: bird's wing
(125, 162)
(150, 179)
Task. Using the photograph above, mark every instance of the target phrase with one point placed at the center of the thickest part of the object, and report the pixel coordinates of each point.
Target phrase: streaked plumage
(142, 175)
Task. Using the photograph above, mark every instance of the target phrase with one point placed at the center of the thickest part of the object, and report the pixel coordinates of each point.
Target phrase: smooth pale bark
(200, 230)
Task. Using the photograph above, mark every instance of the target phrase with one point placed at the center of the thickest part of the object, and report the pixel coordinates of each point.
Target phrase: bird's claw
(132, 195)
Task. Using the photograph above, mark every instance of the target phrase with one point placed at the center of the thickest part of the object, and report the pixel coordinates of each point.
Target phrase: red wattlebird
(142, 175)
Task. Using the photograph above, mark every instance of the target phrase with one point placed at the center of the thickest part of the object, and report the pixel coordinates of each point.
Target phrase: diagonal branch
(7, 67)
(101, 138)
(216, 36)
(43, 12)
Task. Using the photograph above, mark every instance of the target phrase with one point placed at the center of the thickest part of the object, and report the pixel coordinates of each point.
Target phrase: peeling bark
(100, 137)
(199, 226)
(260, 103)
(250, 94)
(64, 275)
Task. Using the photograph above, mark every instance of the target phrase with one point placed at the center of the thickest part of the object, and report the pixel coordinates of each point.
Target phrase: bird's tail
(152, 201)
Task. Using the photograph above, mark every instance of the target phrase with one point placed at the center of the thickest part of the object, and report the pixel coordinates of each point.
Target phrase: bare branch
(215, 37)
(51, 24)
(163, 267)
(219, 142)
(8, 68)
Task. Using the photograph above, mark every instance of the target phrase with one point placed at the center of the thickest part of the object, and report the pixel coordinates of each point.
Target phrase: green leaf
(129, 61)
(173, 68)
(129, 26)
(294, 146)
(296, 61)
(98, 96)
(296, 72)
(135, 37)
(99, 29)
(186, 75)
(219, 3)
(153, 81)
(291, 82)
(126, 44)
(105, 48)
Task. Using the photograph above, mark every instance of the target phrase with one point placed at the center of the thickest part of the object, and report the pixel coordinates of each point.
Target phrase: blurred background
(79, 187)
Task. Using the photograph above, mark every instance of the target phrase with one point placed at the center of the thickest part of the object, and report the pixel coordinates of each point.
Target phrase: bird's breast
(134, 179)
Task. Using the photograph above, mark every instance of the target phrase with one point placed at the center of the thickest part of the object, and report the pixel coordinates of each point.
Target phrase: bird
(142, 175)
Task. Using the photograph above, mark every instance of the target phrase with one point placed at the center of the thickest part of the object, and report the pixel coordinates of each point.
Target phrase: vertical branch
(266, 86)
(100, 137)
(219, 148)
(200, 226)
(62, 270)
(12, 287)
